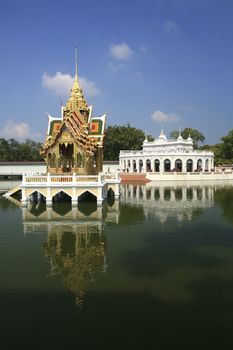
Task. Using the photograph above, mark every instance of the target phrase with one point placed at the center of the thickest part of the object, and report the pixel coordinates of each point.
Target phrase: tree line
(121, 137)
(12, 150)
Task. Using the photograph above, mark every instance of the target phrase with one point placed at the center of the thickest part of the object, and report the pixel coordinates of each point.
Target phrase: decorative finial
(76, 63)
(161, 131)
(180, 130)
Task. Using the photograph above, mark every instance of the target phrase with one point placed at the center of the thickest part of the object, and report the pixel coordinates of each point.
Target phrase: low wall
(189, 176)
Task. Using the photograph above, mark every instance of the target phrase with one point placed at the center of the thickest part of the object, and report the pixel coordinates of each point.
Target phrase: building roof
(76, 117)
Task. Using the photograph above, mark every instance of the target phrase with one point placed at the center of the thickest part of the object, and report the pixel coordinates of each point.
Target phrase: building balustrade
(69, 179)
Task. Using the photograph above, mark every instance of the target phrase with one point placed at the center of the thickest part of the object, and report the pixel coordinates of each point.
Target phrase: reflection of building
(75, 245)
(162, 155)
(169, 201)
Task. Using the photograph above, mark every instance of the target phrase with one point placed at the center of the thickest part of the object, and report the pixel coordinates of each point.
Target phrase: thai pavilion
(74, 141)
(163, 155)
(73, 152)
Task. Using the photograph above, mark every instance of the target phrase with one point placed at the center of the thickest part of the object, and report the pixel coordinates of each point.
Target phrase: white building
(162, 155)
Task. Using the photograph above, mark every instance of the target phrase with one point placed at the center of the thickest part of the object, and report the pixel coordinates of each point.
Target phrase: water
(155, 270)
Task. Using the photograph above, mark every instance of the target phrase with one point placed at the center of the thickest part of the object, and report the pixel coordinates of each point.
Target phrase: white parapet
(73, 185)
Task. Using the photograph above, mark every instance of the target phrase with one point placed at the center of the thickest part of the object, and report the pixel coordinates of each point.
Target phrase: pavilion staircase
(12, 191)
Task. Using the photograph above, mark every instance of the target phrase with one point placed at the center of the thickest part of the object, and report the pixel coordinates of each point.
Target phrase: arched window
(156, 165)
(189, 165)
(199, 165)
(167, 165)
(134, 165)
(128, 165)
(148, 165)
(140, 165)
(178, 165)
(207, 165)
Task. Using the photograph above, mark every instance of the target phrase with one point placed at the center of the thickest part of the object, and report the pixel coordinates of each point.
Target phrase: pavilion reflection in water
(166, 201)
(75, 244)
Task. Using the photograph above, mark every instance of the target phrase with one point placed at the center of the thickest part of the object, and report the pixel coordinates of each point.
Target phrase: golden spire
(77, 100)
(76, 63)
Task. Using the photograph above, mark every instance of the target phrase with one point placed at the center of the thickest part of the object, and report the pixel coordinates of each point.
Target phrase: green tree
(123, 137)
(196, 135)
(217, 150)
(4, 150)
(227, 147)
(12, 150)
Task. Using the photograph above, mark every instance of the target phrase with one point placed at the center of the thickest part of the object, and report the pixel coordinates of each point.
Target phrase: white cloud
(60, 84)
(89, 87)
(121, 51)
(19, 131)
(170, 27)
(161, 117)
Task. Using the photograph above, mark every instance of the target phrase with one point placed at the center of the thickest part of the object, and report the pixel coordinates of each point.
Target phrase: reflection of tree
(224, 197)
(77, 257)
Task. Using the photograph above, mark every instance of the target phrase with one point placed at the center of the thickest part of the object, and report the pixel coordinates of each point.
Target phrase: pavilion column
(203, 164)
(144, 166)
(172, 164)
(161, 167)
(184, 166)
(99, 160)
(137, 165)
(209, 164)
(131, 165)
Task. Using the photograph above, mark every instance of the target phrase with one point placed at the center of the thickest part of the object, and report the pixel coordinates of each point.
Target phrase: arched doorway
(189, 165)
(148, 165)
(128, 166)
(207, 165)
(178, 165)
(167, 165)
(199, 165)
(134, 165)
(156, 165)
(140, 165)
(66, 159)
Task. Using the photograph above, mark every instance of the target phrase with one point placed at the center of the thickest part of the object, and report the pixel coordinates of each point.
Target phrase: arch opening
(62, 203)
(189, 165)
(167, 165)
(178, 165)
(36, 203)
(156, 165)
(148, 165)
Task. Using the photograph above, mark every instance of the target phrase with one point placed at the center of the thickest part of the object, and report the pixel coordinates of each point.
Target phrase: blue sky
(144, 62)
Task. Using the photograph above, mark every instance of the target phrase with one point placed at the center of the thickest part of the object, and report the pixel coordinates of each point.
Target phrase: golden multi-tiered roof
(74, 141)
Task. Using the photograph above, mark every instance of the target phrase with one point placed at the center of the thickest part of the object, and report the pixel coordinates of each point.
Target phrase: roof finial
(76, 63)
(180, 130)
(161, 131)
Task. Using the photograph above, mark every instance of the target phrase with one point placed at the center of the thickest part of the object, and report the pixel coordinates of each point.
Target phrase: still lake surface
(152, 270)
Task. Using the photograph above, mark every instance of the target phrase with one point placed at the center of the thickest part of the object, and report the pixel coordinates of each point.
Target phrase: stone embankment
(176, 176)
